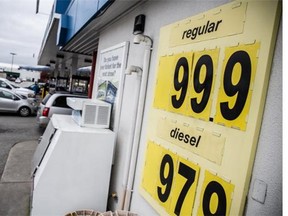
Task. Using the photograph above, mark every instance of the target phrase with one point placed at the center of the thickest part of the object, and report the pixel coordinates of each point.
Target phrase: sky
(22, 30)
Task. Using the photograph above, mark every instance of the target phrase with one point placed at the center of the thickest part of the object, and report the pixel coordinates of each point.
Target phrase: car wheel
(24, 111)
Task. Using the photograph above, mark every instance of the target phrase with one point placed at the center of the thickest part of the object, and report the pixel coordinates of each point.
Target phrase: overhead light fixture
(139, 24)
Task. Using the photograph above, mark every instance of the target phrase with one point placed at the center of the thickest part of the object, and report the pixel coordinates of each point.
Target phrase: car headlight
(31, 95)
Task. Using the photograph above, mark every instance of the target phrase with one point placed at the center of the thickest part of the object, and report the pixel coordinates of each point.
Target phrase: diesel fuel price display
(172, 181)
(189, 80)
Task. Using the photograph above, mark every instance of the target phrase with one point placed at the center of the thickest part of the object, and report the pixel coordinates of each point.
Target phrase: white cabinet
(71, 168)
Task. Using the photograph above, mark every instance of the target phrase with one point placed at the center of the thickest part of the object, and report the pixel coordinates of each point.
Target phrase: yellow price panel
(234, 97)
(151, 168)
(184, 190)
(202, 81)
(170, 180)
(182, 63)
(216, 196)
(164, 82)
(165, 180)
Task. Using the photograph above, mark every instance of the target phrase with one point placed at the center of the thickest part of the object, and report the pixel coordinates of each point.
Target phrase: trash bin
(83, 213)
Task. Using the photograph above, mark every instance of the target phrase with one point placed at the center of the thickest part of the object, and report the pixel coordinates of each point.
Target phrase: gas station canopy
(69, 36)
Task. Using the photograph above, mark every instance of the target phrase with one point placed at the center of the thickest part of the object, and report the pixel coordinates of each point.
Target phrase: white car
(4, 83)
(12, 102)
(54, 103)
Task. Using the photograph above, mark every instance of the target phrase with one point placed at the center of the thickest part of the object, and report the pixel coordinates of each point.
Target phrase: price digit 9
(240, 89)
(180, 84)
(205, 86)
(166, 180)
(214, 188)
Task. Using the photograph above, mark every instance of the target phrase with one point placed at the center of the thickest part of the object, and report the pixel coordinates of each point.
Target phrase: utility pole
(12, 60)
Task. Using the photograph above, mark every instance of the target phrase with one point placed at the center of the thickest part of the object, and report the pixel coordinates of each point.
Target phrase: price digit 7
(189, 174)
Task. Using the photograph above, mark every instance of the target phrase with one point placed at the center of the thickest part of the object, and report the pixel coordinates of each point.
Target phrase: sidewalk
(15, 184)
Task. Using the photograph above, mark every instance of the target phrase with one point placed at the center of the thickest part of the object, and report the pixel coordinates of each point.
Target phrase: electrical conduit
(131, 169)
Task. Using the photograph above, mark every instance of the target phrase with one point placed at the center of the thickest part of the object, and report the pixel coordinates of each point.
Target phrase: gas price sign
(192, 82)
(210, 88)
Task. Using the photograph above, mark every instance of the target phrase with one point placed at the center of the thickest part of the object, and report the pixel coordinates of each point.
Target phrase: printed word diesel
(200, 30)
(186, 138)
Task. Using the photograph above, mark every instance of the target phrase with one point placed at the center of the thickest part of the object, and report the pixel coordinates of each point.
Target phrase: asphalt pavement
(15, 129)
(18, 140)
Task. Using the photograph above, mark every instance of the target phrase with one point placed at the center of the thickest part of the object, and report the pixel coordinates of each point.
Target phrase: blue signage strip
(77, 15)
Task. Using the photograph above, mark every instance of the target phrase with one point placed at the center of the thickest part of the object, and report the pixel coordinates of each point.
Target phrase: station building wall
(268, 160)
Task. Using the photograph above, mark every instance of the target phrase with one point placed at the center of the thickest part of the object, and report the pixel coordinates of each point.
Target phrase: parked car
(4, 83)
(54, 103)
(12, 102)
(18, 80)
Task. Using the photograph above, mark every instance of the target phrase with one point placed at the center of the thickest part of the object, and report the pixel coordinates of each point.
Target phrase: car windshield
(45, 99)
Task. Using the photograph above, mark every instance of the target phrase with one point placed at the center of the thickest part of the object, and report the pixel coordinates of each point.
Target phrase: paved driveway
(15, 129)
